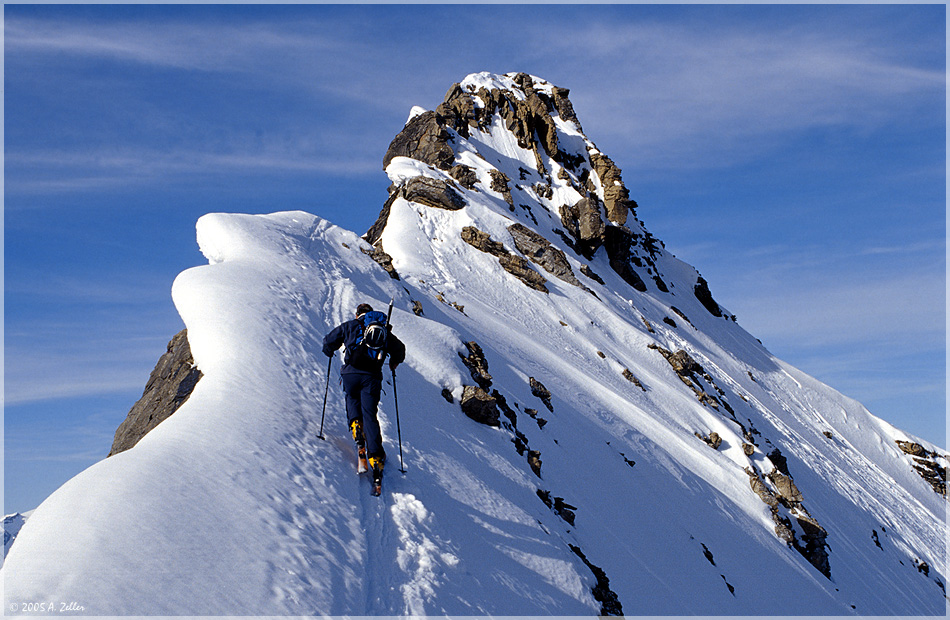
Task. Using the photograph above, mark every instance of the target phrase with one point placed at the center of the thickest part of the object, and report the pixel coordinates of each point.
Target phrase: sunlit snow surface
(234, 506)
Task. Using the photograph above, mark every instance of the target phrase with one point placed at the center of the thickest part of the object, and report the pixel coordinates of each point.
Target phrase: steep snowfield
(234, 506)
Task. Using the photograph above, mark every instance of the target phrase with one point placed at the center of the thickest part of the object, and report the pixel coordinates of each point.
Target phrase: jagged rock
(519, 268)
(477, 404)
(477, 365)
(813, 546)
(564, 510)
(543, 190)
(383, 259)
(539, 250)
(582, 220)
(926, 466)
(515, 265)
(502, 403)
(538, 389)
(783, 529)
(701, 290)
(482, 241)
(682, 315)
(748, 449)
(686, 369)
(587, 271)
(609, 603)
(683, 363)
(432, 193)
(375, 232)
(877, 541)
(465, 175)
(713, 440)
(564, 107)
(616, 196)
(423, 190)
(786, 488)
(913, 449)
(631, 378)
(761, 489)
(499, 183)
(618, 241)
(447, 395)
(558, 505)
(169, 386)
(417, 308)
(534, 461)
(780, 462)
(423, 138)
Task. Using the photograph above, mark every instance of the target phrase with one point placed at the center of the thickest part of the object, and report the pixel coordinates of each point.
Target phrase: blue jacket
(349, 334)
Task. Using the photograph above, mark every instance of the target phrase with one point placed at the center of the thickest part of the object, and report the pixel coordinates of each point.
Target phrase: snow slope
(234, 506)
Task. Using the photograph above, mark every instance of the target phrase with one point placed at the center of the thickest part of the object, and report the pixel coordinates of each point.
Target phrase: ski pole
(402, 467)
(325, 393)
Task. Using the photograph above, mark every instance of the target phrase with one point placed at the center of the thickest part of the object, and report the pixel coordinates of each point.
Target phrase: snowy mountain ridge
(586, 431)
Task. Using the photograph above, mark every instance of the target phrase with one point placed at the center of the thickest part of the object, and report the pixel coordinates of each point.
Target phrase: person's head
(363, 309)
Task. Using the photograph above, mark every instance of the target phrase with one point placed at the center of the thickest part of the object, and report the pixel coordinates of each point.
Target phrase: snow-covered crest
(646, 454)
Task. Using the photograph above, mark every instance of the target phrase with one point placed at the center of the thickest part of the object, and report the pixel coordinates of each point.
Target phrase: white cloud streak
(658, 95)
(685, 96)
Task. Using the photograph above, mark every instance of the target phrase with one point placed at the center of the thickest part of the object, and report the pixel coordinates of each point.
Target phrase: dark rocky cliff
(170, 384)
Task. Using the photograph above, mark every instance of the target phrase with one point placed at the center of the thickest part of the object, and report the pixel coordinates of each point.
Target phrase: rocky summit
(585, 429)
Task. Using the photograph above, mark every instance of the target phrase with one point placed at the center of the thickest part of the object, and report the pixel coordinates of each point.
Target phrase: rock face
(540, 251)
(169, 386)
(927, 464)
(601, 214)
(479, 405)
(477, 365)
(515, 265)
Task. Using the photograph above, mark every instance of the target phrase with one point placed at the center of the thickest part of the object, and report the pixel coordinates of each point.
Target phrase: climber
(367, 339)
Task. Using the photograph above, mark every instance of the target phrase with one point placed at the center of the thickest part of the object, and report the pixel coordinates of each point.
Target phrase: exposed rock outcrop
(616, 196)
(540, 251)
(479, 405)
(713, 440)
(424, 138)
(785, 503)
(583, 221)
(515, 265)
(926, 464)
(477, 365)
(609, 603)
(618, 242)
(701, 290)
(383, 259)
(538, 389)
(434, 193)
(169, 386)
(689, 370)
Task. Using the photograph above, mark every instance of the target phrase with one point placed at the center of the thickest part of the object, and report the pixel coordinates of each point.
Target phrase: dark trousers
(362, 397)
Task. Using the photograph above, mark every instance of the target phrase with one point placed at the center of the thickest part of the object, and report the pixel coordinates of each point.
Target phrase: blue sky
(794, 154)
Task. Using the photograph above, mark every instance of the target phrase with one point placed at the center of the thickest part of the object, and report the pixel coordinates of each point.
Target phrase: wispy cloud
(680, 96)
(685, 94)
(104, 168)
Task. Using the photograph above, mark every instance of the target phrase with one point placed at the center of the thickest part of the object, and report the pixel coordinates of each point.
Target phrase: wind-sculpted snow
(607, 501)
